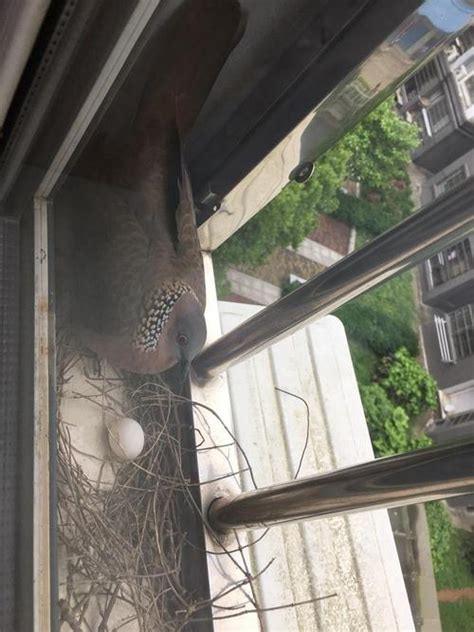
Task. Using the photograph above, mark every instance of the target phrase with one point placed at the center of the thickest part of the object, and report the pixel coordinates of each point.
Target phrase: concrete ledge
(353, 556)
(252, 288)
(317, 252)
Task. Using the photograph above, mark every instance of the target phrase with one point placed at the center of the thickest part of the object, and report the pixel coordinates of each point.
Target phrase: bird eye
(182, 340)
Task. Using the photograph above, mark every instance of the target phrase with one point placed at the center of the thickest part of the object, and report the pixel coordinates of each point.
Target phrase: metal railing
(404, 479)
(441, 222)
(417, 476)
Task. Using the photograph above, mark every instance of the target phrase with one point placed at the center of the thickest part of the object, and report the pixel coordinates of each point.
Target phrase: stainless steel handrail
(447, 218)
(403, 479)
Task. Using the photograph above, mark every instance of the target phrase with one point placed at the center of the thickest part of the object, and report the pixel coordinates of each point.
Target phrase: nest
(125, 539)
(123, 542)
(126, 536)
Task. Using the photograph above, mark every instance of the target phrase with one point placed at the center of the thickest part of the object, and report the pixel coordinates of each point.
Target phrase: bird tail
(192, 51)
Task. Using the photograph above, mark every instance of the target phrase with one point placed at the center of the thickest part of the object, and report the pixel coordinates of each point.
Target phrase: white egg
(126, 438)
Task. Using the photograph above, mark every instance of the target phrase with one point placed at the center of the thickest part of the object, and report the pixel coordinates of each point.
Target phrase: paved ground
(333, 234)
(456, 594)
(280, 265)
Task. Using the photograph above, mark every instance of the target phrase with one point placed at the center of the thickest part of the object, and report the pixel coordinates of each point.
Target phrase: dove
(138, 288)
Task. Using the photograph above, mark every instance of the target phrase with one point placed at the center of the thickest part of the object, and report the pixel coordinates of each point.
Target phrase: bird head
(172, 329)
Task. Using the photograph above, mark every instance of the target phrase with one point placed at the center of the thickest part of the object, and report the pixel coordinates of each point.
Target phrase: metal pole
(410, 242)
(403, 479)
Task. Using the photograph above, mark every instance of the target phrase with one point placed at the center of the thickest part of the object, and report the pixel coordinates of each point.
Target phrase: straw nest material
(126, 532)
(125, 535)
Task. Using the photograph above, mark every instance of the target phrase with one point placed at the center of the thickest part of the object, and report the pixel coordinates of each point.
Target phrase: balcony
(450, 263)
(455, 333)
(439, 99)
(462, 67)
(450, 274)
(462, 331)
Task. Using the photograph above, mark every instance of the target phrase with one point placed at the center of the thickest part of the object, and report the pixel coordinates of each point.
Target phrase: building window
(438, 113)
(450, 180)
(463, 69)
(356, 94)
(466, 39)
(442, 333)
(451, 421)
(434, 116)
(419, 82)
(462, 331)
(468, 89)
(450, 263)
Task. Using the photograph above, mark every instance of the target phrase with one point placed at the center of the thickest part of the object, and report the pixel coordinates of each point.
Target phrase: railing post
(403, 479)
(448, 217)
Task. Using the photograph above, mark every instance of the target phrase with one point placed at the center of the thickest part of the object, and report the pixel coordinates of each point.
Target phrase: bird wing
(126, 243)
(188, 247)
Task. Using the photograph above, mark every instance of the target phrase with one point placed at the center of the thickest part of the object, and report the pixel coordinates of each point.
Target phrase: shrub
(467, 548)
(377, 329)
(364, 360)
(441, 533)
(407, 383)
(393, 206)
(289, 286)
(389, 424)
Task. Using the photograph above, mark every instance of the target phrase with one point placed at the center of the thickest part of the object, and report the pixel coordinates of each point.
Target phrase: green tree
(287, 219)
(380, 147)
(375, 153)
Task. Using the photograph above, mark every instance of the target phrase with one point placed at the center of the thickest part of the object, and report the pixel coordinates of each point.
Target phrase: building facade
(440, 99)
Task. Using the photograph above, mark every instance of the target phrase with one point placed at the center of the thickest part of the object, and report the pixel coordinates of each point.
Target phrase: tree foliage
(403, 391)
(407, 383)
(441, 534)
(375, 153)
(375, 217)
(380, 147)
(288, 218)
(389, 425)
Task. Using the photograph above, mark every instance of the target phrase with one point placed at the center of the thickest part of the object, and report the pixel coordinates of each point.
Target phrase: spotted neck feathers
(158, 307)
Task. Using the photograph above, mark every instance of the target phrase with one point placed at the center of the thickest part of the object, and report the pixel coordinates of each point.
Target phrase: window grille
(451, 421)
(466, 39)
(421, 80)
(468, 90)
(451, 180)
(442, 333)
(438, 114)
(462, 331)
(450, 263)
